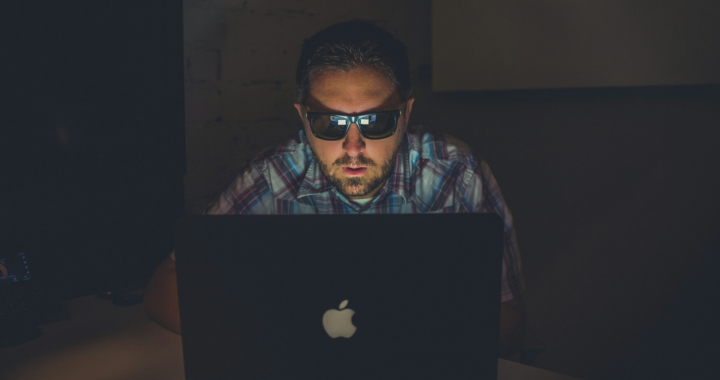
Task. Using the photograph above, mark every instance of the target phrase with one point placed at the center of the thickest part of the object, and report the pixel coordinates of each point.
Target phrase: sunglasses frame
(397, 113)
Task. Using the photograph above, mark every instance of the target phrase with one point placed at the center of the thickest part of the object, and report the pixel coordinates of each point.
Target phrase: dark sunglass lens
(380, 126)
(325, 128)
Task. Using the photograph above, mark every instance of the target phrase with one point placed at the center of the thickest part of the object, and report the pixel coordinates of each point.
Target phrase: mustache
(359, 160)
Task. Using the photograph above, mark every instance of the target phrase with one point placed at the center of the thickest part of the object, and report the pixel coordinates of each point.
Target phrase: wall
(614, 197)
(240, 59)
(613, 190)
(516, 44)
(92, 140)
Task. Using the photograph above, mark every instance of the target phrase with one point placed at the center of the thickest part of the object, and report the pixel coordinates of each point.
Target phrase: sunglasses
(372, 126)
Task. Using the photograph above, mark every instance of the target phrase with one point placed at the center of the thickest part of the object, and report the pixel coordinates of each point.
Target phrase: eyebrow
(372, 110)
(356, 114)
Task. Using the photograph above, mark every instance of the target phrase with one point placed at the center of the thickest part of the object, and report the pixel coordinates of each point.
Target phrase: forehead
(354, 91)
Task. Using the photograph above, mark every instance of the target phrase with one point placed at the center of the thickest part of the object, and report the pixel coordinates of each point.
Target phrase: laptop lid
(418, 296)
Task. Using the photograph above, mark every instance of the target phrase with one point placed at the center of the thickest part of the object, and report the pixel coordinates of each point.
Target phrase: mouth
(354, 172)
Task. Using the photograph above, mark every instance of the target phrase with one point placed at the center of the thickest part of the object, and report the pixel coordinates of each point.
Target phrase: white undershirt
(362, 202)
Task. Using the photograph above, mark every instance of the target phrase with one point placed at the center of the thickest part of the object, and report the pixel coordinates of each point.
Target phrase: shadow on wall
(683, 344)
(613, 192)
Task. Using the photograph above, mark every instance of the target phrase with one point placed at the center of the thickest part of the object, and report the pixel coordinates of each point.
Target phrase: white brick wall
(240, 59)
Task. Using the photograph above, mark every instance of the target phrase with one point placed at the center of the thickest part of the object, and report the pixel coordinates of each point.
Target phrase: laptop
(340, 296)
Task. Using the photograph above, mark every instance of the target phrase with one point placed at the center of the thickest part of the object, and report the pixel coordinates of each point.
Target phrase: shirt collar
(314, 181)
(399, 180)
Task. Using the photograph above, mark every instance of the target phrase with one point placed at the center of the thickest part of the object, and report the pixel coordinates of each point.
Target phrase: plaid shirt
(433, 174)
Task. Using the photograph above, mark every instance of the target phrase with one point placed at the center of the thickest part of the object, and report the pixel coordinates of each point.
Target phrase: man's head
(355, 68)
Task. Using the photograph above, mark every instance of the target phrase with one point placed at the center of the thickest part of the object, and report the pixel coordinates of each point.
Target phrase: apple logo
(338, 323)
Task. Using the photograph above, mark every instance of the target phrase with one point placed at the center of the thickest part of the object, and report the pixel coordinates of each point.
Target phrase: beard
(356, 187)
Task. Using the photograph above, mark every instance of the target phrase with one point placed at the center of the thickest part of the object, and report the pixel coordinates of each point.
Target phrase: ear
(306, 127)
(298, 107)
(408, 109)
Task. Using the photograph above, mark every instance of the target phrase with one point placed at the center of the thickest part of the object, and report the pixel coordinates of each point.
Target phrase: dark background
(93, 140)
(613, 190)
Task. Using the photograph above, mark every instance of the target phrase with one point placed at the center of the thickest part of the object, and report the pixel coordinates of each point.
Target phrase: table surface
(109, 342)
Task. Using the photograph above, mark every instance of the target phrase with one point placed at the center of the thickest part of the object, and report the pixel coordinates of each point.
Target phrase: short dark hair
(352, 44)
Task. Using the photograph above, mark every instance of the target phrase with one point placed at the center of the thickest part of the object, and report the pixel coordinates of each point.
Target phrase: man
(355, 154)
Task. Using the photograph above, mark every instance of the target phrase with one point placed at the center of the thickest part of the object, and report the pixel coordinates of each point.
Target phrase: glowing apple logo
(338, 323)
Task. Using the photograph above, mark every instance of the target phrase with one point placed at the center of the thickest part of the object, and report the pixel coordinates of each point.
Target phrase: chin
(355, 187)
(355, 192)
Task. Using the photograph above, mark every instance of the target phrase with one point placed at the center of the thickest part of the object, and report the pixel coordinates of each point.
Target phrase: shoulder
(433, 146)
(284, 167)
(273, 170)
(291, 150)
(444, 172)
(284, 162)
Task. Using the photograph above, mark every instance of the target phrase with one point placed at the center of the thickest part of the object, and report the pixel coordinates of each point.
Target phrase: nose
(354, 143)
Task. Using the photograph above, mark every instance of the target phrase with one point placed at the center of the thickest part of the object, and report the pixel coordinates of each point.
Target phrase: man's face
(356, 166)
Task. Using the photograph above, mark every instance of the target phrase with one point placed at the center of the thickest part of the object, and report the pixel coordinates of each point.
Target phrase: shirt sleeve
(249, 193)
(482, 191)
